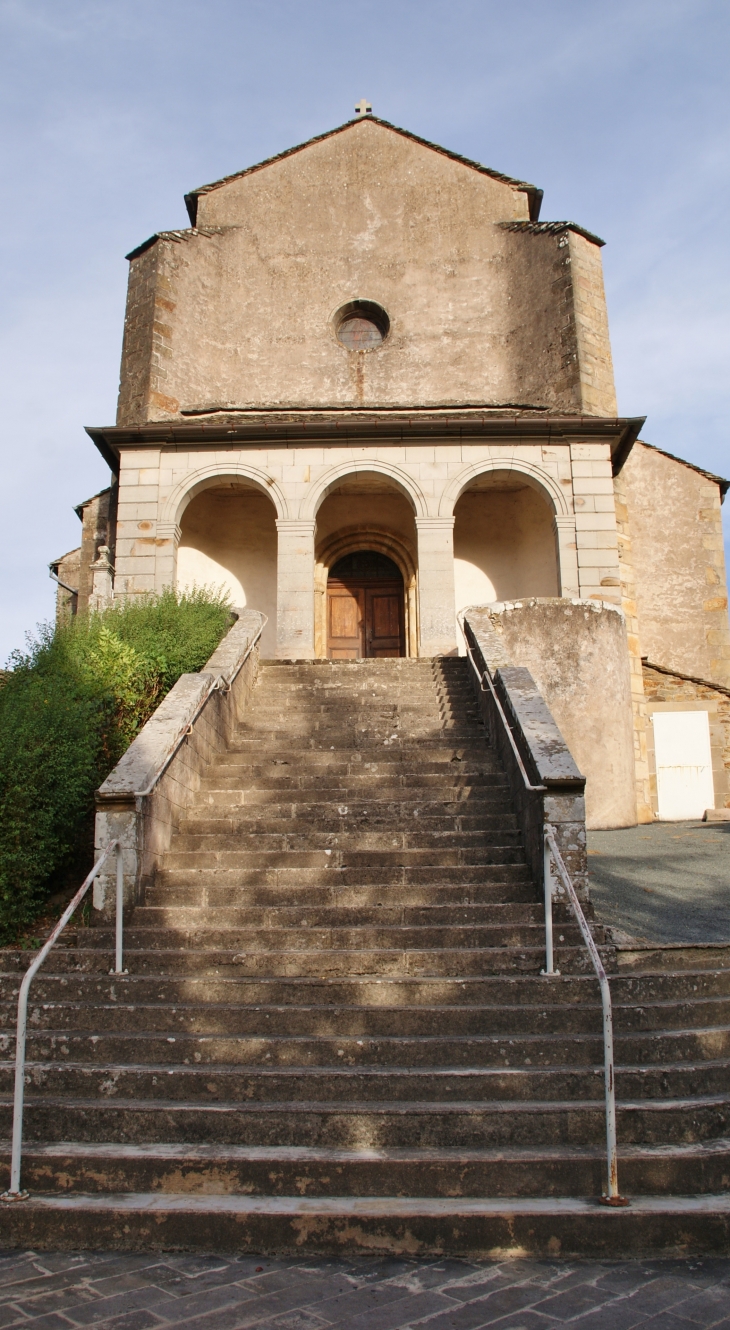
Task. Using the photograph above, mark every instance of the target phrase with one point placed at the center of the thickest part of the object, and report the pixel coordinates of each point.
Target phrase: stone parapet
(559, 801)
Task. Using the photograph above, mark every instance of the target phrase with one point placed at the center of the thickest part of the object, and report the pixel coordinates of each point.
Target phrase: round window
(361, 325)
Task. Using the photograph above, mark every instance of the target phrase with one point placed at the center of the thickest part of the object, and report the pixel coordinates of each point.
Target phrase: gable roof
(534, 194)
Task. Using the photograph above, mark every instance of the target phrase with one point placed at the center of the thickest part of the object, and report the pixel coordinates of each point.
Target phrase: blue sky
(112, 109)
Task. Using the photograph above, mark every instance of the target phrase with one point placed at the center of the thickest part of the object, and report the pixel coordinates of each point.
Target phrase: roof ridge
(191, 199)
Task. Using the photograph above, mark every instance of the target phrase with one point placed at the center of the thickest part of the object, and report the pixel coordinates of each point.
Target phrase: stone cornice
(300, 427)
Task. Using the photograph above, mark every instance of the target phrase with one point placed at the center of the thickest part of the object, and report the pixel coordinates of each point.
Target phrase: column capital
(169, 531)
(435, 523)
(564, 523)
(296, 526)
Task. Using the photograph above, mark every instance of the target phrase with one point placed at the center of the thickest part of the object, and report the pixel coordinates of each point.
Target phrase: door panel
(685, 786)
(345, 624)
(383, 620)
(364, 619)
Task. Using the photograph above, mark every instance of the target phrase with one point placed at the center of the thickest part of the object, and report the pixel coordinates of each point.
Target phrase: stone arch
(535, 476)
(402, 481)
(349, 541)
(218, 473)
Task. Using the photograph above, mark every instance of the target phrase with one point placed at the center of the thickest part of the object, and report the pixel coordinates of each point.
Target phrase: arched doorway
(365, 608)
(228, 542)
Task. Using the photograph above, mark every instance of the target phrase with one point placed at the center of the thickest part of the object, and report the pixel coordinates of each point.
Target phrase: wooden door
(345, 621)
(384, 620)
(365, 608)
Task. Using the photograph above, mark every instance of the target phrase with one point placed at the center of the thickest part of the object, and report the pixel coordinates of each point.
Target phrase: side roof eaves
(534, 194)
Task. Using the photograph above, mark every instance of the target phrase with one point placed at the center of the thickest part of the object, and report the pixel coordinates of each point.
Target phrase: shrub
(69, 707)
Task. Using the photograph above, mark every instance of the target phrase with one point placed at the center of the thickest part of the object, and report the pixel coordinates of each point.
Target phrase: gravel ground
(666, 882)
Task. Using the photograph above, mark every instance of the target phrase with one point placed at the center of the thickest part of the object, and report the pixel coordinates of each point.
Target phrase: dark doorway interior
(365, 604)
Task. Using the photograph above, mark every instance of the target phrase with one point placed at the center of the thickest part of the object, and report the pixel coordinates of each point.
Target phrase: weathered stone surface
(576, 652)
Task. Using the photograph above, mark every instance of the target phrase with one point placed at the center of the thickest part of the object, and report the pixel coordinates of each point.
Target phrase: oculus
(361, 325)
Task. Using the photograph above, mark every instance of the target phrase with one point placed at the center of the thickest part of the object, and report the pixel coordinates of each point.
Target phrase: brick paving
(46, 1291)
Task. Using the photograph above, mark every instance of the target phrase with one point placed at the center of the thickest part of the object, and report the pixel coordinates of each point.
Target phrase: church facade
(367, 388)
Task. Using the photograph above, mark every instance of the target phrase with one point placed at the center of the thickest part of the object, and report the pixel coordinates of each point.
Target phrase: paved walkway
(57, 1291)
(666, 882)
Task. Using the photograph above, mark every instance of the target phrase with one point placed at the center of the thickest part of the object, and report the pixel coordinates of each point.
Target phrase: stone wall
(575, 650)
(675, 523)
(666, 691)
(98, 516)
(595, 363)
(238, 311)
(558, 802)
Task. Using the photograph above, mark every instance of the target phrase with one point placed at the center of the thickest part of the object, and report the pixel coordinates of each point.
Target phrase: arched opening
(367, 513)
(504, 541)
(228, 541)
(365, 608)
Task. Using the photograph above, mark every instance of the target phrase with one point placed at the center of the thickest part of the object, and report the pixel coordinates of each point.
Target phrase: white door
(683, 764)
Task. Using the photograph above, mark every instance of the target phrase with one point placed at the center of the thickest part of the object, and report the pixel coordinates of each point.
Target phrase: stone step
(333, 746)
(228, 1083)
(470, 1124)
(445, 963)
(300, 820)
(366, 938)
(654, 994)
(473, 801)
(199, 1017)
(283, 776)
(395, 915)
(291, 1171)
(352, 1226)
(229, 836)
(199, 890)
(439, 1053)
(338, 857)
(184, 1014)
(419, 882)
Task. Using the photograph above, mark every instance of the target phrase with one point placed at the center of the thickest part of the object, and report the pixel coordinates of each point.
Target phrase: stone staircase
(334, 1034)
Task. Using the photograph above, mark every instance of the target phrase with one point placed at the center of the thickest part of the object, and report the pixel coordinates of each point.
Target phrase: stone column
(295, 590)
(436, 599)
(565, 544)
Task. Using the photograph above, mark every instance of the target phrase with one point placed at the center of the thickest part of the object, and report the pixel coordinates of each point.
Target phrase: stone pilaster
(436, 597)
(295, 590)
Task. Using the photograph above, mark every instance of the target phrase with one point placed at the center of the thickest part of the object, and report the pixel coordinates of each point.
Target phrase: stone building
(367, 388)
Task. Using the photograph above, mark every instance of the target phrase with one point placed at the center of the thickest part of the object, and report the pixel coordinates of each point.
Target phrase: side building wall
(665, 691)
(674, 520)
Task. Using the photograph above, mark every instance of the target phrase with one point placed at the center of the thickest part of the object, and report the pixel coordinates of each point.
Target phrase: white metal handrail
(613, 1196)
(15, 1192)
(481, 676)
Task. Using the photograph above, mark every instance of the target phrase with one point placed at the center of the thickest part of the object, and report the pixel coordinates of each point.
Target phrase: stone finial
(363, 107)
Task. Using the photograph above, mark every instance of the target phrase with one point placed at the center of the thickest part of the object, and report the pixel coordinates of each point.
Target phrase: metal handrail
(481, 676)
(613, 1196)
(15, 1192)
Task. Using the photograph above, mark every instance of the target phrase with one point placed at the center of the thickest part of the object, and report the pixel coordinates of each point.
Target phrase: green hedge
(69, 707)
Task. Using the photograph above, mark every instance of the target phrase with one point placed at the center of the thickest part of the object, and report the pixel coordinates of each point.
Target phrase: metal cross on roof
(363, 107)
